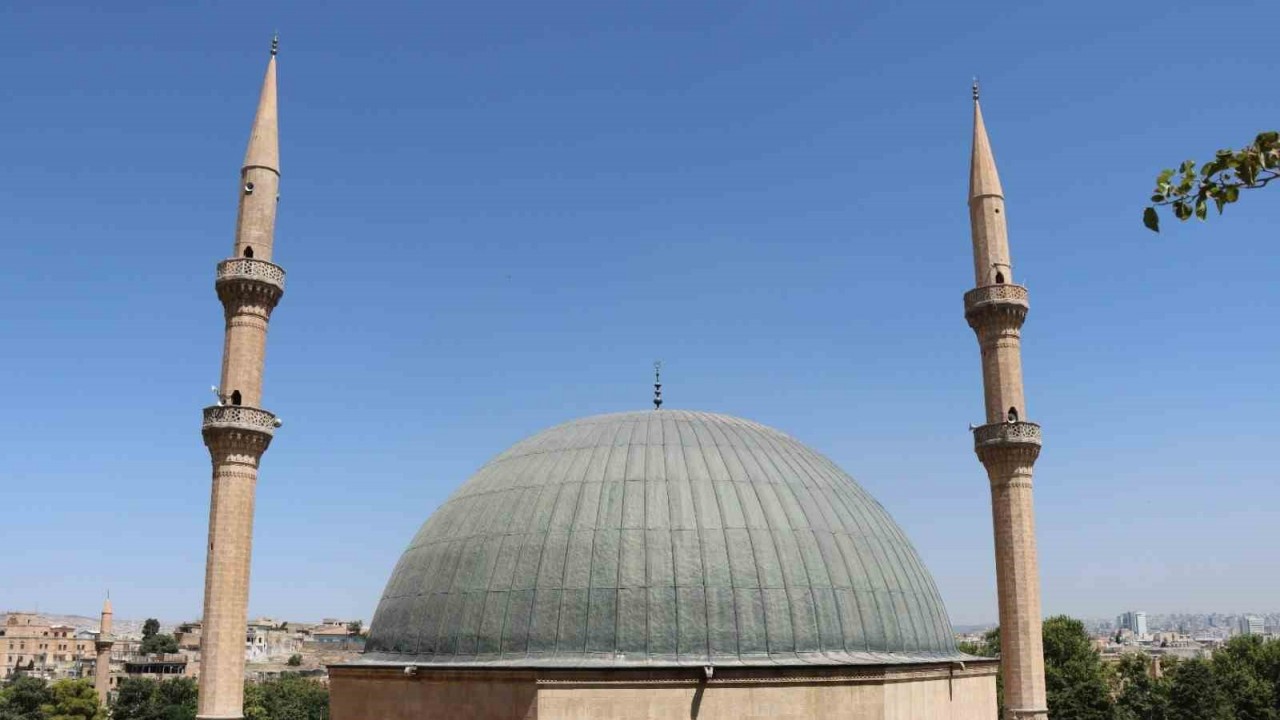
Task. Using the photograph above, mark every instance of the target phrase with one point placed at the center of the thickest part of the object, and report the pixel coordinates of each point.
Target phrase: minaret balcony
(1006, 434)
(249, 279)
(989, 301)
(240, 417)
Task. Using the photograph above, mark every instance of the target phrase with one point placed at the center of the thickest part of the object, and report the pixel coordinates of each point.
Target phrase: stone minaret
(236, 430)
(102, 644)
(1007, 445)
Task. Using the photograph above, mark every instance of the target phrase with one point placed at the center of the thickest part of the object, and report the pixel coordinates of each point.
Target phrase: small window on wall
(235, 398)
(1013, 414)
(248, 252)
(999, 278)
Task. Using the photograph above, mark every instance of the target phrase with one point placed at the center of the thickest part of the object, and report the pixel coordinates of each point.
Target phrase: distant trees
(28, 698)
(155, 643)
(23, 698)
(1240, 682)
(147, 699)
(295, 660)
(289, 698)
(73, 700)
(355, 627)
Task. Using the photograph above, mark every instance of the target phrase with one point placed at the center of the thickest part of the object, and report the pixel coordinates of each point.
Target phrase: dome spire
(657, 384)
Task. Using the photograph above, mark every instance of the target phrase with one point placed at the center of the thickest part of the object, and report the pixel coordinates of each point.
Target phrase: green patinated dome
(660, 538)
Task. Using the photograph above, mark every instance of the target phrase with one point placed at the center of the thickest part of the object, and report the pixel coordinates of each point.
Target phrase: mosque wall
(935, 692)
(389, 694)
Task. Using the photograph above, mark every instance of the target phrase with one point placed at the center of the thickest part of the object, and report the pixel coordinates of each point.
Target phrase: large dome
(660, 538)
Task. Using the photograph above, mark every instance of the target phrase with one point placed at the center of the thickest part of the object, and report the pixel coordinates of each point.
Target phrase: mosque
(654, 564)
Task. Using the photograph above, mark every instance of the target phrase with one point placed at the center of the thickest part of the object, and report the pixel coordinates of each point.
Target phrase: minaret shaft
(244, 350)
(102, 646)
(1007, 444)
(237, 431)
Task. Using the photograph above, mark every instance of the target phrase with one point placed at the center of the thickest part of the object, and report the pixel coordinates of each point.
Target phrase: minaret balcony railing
(250, 269)
(240, 417)
(1006, 434)
(1000, 294)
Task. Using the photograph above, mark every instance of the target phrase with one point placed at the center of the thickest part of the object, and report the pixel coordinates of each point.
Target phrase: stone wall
(935, 692)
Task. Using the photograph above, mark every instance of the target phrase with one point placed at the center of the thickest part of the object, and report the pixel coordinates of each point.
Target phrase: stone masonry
(102, 645)
(1007, 444)
(236, 430)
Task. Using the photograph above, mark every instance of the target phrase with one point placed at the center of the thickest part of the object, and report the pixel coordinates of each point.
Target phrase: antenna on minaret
(657, 384)
(975, 88)
(275, 43)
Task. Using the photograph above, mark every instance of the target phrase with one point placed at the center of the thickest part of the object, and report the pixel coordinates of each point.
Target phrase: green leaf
(1202, 209)
(1164, 177)
(1231, 193)
(1157, 198)
(1187, 166)
(1267, 138)
(1181, 210)
(1151, 219)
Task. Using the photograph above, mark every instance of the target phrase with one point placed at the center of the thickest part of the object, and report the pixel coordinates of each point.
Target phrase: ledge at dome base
(239, 417)
(1006, 433)
(621, 661)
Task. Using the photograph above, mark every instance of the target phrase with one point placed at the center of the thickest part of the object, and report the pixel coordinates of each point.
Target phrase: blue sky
(496, 215)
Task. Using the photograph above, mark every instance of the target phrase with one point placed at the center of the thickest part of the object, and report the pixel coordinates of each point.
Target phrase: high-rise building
(1250, 625)
(1135, 621)
(236, 430)
(1007, 444)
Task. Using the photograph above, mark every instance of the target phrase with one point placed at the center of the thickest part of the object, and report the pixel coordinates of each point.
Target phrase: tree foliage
(23, 698)
(1187, 191)
(1240, 682)
(150, 628)
(1073, 674)
(73, 700)
(289, 698)
(158, 644)
(147, 699)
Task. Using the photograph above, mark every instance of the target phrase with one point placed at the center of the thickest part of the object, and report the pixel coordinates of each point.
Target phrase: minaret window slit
(1013, 414)
(235, 399)
(999, 277)
(248, 251)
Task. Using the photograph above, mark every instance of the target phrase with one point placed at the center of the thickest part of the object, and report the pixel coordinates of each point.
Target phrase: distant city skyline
(492, 227)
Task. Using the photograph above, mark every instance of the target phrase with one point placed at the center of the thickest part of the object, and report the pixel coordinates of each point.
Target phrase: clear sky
(496, 215)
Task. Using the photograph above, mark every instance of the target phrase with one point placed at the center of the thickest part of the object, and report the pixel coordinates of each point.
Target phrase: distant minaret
(102, 644)
(1007, 445)
(236, 430)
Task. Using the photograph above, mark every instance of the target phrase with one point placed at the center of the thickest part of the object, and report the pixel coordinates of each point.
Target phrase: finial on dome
(657, 384)
(275, 44)
(975, 88)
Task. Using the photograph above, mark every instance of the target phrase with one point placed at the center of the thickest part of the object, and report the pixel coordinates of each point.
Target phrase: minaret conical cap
(264, 141)
(983, 178)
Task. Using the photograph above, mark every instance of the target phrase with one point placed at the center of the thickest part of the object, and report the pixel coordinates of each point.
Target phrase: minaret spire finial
(657, 384)
(275, 43)
(975, 88)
